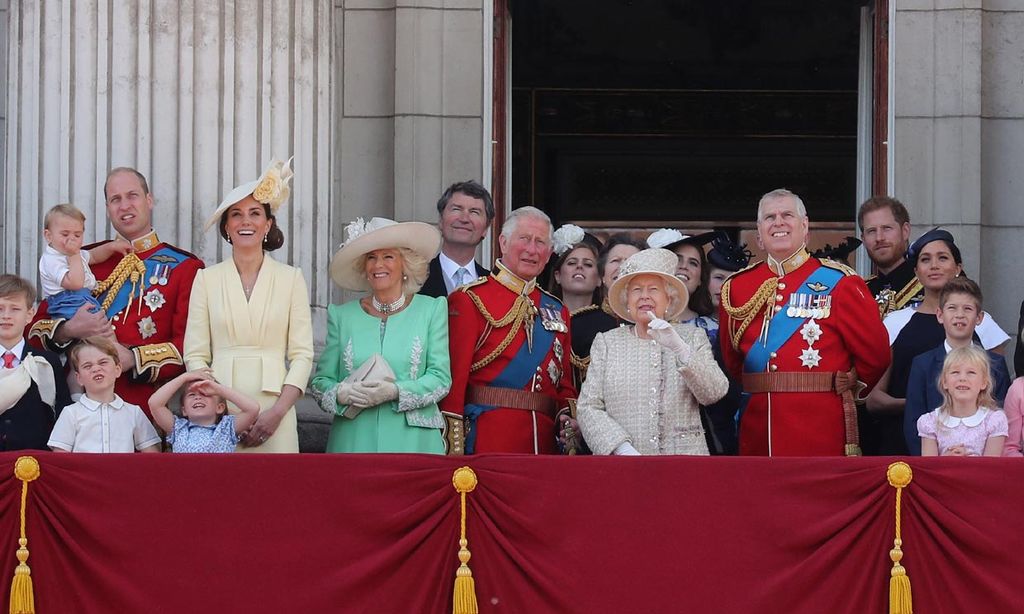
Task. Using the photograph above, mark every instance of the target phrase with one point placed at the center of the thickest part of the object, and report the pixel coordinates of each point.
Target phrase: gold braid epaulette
(130, 267)
(746, 312)
(518, 314)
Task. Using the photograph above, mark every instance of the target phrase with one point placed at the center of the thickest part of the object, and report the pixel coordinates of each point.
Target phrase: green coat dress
(415, 344)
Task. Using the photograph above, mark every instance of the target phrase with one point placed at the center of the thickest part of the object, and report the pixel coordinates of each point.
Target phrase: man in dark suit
(464, 212)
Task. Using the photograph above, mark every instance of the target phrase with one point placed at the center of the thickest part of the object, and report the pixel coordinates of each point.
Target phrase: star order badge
(154, 299)
(811, 332)
(810, 358)
(147, 328)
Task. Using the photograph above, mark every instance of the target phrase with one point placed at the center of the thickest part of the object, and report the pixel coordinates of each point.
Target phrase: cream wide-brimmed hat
(270, 189)
(654, 261)
(380, 233)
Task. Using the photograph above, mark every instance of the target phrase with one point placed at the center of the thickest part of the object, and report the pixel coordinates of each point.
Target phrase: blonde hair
(103, 344)
(415, 269)
(65, 209)
(973, 356)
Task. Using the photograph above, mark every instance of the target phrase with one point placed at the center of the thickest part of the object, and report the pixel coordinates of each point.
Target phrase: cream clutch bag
(375, 368)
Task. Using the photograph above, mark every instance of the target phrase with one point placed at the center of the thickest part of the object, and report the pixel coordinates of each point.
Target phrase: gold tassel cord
(900, 600)
(26, 469)
(130, 267)
(464, 597)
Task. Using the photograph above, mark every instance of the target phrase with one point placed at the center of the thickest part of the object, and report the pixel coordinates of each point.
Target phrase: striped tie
(8, 360)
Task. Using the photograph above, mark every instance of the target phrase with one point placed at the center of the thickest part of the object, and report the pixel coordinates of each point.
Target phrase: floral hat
(655, 261)
(270, 189)
(380, 233)
(569, 236)
(670, 239)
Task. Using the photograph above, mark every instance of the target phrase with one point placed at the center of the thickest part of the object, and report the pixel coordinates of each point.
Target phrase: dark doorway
(634, 112)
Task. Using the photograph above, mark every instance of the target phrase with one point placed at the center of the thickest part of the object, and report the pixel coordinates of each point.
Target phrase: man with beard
(885, 230)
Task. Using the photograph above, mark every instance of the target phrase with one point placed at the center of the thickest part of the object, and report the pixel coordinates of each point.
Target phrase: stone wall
(958, 143)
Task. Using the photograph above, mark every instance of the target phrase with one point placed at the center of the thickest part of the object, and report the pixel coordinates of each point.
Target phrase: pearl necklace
(389, 308)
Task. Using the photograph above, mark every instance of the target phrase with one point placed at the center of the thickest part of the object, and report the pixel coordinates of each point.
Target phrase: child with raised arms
(205, 427)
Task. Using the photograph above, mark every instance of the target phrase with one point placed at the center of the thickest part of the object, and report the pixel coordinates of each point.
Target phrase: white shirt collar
(449, 266)
(973, 420)
(91, 405)
(17, 350)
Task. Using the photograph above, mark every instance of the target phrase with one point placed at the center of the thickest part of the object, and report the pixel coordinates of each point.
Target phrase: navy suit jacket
(27, 425)
(434, 286)
(923, 394)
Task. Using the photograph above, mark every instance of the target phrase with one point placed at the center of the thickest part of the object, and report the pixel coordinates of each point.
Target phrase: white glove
(625, 449)
(372, 393)
(344, 390)
(667, 336)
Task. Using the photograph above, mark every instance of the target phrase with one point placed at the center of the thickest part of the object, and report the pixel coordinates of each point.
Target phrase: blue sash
(164, 258)
(518, 372)
(783, 326)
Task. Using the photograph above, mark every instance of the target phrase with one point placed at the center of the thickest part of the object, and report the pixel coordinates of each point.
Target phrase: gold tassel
(26, 469)
(464, 597)
(900, 601)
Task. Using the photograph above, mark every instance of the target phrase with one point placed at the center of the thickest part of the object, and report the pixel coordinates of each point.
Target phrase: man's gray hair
(512, 221)
(779, 194)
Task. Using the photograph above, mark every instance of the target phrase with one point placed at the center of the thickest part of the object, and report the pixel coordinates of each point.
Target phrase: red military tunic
(852, 335)
(152, 325)
(481, 351)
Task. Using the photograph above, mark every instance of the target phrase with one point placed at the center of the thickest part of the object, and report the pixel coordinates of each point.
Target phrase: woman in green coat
(385, 365)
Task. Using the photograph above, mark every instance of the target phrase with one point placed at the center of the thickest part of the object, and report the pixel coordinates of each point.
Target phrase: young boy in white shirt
(100, 421)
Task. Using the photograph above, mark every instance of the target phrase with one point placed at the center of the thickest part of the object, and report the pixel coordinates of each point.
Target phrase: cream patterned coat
(637, 391)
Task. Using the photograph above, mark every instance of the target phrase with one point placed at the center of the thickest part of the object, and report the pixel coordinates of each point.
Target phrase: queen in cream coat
(249, 317)
(646, 380)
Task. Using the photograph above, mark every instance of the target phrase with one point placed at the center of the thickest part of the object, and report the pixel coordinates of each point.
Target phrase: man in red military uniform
(144, 296)
(510, 348)
(798, 332)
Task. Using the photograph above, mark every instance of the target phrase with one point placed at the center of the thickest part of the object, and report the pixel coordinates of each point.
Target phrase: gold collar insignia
(146, 242)
(790, 263)
(512, 281)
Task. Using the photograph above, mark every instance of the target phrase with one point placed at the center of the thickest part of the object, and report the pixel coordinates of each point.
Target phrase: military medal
(811, 332)
(147, 328)
(154, 299)
(552, 320)
(165, 273)
(791, 310)
(153, 279)
(810, 358)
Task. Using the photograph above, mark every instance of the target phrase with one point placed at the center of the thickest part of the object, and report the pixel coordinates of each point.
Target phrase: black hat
(840, 252)
(726, 255)
(935, 234)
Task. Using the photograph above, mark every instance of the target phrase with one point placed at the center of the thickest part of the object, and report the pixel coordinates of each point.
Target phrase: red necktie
(8, 360)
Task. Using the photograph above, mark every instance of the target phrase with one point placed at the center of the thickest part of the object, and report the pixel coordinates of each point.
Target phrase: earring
(229, 241)
(405, 277)
(264, 239)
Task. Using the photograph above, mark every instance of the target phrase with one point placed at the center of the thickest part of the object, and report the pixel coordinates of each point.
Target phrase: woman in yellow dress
(249, 317)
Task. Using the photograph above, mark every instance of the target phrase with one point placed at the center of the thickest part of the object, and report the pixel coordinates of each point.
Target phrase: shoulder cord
(746, 313)
(516, 316)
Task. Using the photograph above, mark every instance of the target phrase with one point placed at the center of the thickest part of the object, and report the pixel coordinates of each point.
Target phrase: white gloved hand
(625, 449)
(344, 390)
(667, 336)
(372, 393)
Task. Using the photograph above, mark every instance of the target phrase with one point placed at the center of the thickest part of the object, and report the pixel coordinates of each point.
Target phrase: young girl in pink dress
(969, 423)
